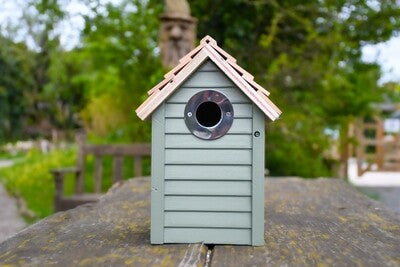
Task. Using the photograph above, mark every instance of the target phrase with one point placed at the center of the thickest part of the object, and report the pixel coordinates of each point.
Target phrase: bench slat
(117, 168)
(97, 174)
(118, 149)
(137, 166)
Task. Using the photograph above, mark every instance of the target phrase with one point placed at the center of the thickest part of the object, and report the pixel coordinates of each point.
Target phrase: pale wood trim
(153, 102)
(242, 84)
(208, 48)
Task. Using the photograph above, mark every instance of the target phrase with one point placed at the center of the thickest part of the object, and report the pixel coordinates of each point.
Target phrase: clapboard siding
(239, 126)
(208, 79)
(185, 93)
(208, 235)
(178, 110)
(208, 156)
(207, 203)
(205, 172)
(208, 219)
(191, 141)
(208, 183)
(222, 188)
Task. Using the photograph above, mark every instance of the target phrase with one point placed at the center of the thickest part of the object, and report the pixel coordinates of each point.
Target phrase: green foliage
(307, 54)
(30, 178)
(120, 49)
(15, 79)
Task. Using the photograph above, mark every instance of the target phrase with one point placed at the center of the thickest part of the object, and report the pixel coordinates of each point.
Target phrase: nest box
(208, 137)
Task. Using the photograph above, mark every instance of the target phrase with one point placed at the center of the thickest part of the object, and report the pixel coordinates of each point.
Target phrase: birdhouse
(208, 135)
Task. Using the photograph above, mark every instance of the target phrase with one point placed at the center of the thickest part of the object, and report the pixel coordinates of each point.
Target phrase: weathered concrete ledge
(308, 223)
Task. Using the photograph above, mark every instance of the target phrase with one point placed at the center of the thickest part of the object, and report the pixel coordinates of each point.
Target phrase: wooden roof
(208, 49)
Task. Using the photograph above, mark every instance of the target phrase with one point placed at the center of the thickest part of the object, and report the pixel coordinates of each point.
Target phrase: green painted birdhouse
(208, 135)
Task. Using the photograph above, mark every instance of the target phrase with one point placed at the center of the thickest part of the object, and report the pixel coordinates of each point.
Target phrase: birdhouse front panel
(208, 151)
(207, 178)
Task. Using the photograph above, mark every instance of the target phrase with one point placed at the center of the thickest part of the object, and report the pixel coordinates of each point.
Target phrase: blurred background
(68, 66)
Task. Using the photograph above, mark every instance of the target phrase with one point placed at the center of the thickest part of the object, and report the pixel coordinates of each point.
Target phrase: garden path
(10, 220)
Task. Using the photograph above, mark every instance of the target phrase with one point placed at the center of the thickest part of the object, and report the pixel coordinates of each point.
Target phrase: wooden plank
(208, 235)
(98, 170)
(157, 175)
(80, 164)
(208, 219)
(178, 110)
(208, 156)
(221, 188)
(184, 94)
(208, 79)
(118, 164)
(137, 162)
(110, 232)
(119, 149)
(217, 172)
(258, 178)
(191, 141)
(239, 126)
(319, 222)
(207, 203)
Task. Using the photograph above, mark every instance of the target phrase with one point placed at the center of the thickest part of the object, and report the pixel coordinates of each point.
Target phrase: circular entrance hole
(208, 114)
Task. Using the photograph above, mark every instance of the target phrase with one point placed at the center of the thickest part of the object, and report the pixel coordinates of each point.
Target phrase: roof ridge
(226, 63)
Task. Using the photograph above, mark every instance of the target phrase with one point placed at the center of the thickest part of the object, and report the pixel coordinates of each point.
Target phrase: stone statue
(178, 32)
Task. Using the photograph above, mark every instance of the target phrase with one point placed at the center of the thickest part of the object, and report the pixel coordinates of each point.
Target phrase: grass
(30, 179)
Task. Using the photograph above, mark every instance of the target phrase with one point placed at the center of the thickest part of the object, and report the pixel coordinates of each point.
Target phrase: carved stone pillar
(177, 33)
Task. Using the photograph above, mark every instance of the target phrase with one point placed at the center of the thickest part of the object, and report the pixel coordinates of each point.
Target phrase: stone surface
(388, 196)
(113, 232)
(308, 223)
(320, 222)
(10, 220)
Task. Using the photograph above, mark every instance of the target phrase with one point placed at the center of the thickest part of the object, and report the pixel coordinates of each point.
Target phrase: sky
(387, 54)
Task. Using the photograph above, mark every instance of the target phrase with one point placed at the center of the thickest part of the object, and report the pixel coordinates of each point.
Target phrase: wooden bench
(116, 151)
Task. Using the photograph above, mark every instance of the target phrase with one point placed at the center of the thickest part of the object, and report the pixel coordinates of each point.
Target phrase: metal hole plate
(216, 131)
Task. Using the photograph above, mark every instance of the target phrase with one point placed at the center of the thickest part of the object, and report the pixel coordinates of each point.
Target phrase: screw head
(228, 114)
(189, 114)
(256, 133)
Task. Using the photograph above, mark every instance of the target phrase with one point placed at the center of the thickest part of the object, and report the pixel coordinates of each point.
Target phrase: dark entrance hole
(208, 114)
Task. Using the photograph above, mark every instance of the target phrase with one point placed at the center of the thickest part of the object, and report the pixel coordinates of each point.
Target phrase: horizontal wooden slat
(208, 172)
(207, 203)
(208, 219)
(239, 126)
(177, 110)
(207, 235)
(118, 149)
(223, 188)
(232, 93)
(207, 156)
(190, 141)
(210, 79)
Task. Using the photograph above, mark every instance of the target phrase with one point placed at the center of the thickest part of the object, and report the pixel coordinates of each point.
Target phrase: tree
(307, 53)
(122, 63)
(15, 80)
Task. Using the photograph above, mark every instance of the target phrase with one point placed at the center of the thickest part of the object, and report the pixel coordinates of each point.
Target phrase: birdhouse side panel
(157, 175)
(208, 183)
